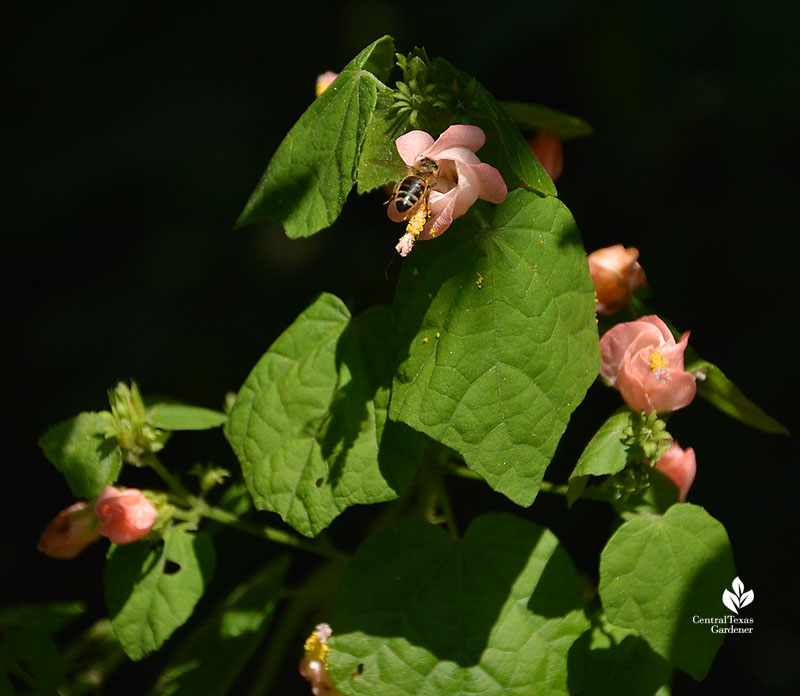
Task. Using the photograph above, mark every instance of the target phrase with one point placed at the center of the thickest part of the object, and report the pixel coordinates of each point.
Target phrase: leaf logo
(738, 598)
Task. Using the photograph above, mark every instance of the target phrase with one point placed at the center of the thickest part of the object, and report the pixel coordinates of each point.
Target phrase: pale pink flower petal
(470, 137)
(324, 81)
(125, 515)
(644, 363)
(411, 145)
(681, 466)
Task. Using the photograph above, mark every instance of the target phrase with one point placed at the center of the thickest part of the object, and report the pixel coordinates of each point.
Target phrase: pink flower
(680, 465)
(314, 665)
(461, 180)
(126, 515)
(642, 361)
(70, 532)
(324, 81)
(547, 147)
(616, 274)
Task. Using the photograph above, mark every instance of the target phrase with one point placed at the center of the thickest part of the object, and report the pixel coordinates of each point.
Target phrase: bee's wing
(390, 169)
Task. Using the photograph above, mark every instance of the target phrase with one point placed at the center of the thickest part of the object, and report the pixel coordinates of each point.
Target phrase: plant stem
(202, 508)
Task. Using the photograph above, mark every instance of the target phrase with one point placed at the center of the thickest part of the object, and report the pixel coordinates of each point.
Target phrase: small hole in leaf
(319, 482)
(358, 671)
(171, 568)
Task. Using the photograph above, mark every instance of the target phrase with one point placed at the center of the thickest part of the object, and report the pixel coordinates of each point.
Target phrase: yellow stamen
(315, 649)
(657, 361)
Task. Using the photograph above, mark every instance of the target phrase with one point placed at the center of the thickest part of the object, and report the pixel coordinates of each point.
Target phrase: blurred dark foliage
(136, 133)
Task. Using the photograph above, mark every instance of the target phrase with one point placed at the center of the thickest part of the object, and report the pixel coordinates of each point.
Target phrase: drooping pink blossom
(616, 273)
(125, 515)
(314, 664)
(547, 147)
(644, 363)
(680, 465)
(462, 179)
(70, 532)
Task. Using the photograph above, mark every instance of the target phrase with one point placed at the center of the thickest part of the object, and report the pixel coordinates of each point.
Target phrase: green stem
(269, 533)
(198, 506)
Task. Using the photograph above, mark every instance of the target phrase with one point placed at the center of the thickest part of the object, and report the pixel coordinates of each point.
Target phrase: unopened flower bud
(616, 273)
(125, 515)
(547, 147)
(681, 467)
(325, 80)
(70, 532)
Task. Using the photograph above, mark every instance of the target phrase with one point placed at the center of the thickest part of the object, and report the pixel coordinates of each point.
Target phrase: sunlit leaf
(498, 338)
(79, 449)
(656, 573)
(310, 423)
(151, 588)
(310, 175)
(495, 613)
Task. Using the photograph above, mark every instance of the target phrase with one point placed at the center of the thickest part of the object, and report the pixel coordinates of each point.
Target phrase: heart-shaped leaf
(310, 423)
(152, 587)
(499, 339)
(78, 448)
(657, 573)
(310, 175)
(495, 613)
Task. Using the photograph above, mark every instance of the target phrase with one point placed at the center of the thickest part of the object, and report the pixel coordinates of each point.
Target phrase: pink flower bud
(324, 81)
(547, 147)
(70, 532)
(126, 515)
(642, 361)
(680, 465)
(616, 274)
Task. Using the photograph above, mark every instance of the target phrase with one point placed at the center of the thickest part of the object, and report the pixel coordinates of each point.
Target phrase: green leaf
(310, 175)
(606, 453)
(495, 613)
(151, 589)
(505, 147)
(168, 415)
(46, 618)
(309, 425)
(209, 661)
(718, 390)
(380, 163)
(657, 573)
(79, 449)
(34, 654)
(535, 117)
(616, 662)
(498, 327)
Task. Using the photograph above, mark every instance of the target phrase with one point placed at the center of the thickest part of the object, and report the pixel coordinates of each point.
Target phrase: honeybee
(416, 187)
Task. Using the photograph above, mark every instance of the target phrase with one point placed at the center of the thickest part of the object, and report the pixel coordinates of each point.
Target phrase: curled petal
(470, 137)
(681, 467)
(125, 516)
(490, 183)
(411, 145)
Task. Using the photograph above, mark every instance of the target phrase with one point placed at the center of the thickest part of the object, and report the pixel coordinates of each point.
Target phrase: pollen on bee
(418, 220)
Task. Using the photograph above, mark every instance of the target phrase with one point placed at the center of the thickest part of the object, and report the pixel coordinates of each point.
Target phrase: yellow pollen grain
(316, 650)
(657, 361)
(418, 220)
(425, 340)
(479, 282)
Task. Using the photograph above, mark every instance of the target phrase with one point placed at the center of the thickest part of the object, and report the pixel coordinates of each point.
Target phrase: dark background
(137, 133)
